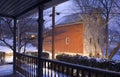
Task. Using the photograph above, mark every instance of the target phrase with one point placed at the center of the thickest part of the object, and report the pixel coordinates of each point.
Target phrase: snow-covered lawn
(9, 59)
(5, 49)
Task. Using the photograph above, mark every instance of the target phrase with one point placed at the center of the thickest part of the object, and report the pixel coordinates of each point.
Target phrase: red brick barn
(77, 36)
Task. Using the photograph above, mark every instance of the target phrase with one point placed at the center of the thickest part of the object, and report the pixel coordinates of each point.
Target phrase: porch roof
(16, 8)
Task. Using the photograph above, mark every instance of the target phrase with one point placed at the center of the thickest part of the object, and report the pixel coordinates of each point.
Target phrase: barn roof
(69, 19)
(16, 8)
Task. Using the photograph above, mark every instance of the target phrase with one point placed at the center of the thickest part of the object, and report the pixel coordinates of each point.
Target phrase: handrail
(26, 55)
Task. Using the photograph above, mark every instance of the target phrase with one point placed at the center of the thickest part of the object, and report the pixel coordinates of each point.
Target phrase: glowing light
(32, 36)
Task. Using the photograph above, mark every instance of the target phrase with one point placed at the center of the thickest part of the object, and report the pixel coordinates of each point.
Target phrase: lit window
(67, 40)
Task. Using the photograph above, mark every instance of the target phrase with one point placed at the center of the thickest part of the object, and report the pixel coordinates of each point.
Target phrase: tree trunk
(107, 33)
(107, 42)
(114, 51)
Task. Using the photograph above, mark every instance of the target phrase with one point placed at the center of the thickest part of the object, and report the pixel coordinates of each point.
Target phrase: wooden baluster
(51, 69)
(83, 74)
(89, 74)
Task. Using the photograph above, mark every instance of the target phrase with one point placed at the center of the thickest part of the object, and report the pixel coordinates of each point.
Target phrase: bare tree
(114, 36)
(27, 32)
(107, 11)
(6, 29)
(28, 27)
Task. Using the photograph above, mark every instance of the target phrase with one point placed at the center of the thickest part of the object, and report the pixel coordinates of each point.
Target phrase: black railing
(27, 65)
(54, 68)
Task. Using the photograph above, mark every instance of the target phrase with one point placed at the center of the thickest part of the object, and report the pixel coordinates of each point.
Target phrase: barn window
(98, 41)
(49, 42)
(90, 40)
(67, 40)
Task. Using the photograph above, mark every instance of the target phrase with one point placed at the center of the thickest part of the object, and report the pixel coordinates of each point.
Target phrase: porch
(31, 66)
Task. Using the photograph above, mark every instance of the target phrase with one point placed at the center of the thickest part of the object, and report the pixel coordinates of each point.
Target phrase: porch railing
(62, 69)
(27, 65)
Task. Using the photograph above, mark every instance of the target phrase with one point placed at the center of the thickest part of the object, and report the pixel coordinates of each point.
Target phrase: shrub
(44, 54)
(93, 62)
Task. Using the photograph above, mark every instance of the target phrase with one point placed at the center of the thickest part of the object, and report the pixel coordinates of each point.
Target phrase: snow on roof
(73, 18)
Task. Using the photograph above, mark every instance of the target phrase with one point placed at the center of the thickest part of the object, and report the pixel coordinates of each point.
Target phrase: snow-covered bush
(90, 61)
(44, 54)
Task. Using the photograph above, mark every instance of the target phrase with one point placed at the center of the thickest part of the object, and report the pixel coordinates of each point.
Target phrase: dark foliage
(44, 54)
(83, 60)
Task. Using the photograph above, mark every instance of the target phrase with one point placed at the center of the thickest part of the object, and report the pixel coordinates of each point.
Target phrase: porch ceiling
(16, 8)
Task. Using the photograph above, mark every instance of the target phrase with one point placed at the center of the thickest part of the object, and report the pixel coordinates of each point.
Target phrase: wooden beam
(5, 15)
(47, 4)
(32, 7)
(53, 3)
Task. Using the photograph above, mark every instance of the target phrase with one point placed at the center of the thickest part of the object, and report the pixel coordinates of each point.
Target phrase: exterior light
(57, 13)
(32, 36)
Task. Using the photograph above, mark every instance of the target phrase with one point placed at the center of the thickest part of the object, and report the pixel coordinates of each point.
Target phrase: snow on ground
(116, 57)
(30, 48)
(9, 59)
(6, 70)
(5, 49)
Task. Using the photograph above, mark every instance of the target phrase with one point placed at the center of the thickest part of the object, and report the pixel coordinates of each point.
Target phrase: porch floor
(7, 71)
